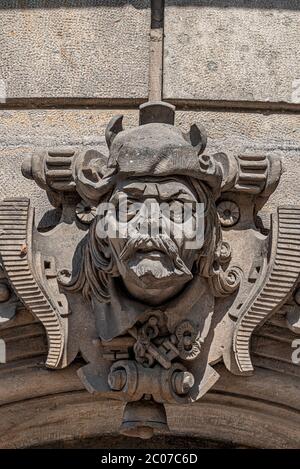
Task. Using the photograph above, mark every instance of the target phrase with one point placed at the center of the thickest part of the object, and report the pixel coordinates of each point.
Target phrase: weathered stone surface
(233, 290)
(232, 50)
(22, 132)
(255, 132)
(131, 157)
(150, 313)
(42, 407)
(25, 385)
(71, 52)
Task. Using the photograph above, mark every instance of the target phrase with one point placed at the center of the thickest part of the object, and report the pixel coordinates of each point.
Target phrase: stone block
(232, 50)
(75, 49)
(259, 133)
(23, 132)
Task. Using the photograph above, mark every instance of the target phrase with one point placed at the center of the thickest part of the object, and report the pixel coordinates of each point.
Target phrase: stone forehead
(162, 187)
(150, 135)
(153, 149)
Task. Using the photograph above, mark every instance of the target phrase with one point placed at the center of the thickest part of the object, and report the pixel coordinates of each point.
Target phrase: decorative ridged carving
(15, 249)
(253, 173)
(226, 282)
(280, 278)
(58, 170)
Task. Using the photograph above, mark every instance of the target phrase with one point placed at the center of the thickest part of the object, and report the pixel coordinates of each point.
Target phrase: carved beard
(154, 261)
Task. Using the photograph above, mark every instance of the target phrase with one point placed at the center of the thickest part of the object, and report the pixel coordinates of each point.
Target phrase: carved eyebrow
(180, 194)
(134, 190)
(184, 196)
(137, 190)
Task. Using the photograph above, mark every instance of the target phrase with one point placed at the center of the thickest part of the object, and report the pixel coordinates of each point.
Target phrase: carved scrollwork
(189, 340)
(229, 213)
(85, 213)
(227, 282)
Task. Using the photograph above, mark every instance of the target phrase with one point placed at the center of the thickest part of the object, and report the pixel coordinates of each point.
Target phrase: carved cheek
(190, 227)
(117, 244)
(185, 230)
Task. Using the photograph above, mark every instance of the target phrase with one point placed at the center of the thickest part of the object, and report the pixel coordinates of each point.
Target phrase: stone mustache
(151, 314)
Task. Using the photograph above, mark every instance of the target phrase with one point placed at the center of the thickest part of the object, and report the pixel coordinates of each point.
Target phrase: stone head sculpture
(157, 229)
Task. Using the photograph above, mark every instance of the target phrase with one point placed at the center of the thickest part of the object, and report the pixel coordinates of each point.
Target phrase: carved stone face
(152, 256)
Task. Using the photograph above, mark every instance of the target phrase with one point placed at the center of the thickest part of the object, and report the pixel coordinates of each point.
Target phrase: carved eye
(128, 210)
(176, 211)
(181, 212)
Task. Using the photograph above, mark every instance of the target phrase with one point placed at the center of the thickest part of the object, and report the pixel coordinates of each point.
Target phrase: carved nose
(149, 244)
(152, 215)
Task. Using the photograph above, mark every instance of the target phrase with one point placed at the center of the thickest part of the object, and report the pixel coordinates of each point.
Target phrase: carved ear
(113, 128)
(197, 137)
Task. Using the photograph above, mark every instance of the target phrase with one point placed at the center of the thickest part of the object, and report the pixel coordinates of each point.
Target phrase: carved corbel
(150, 316)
